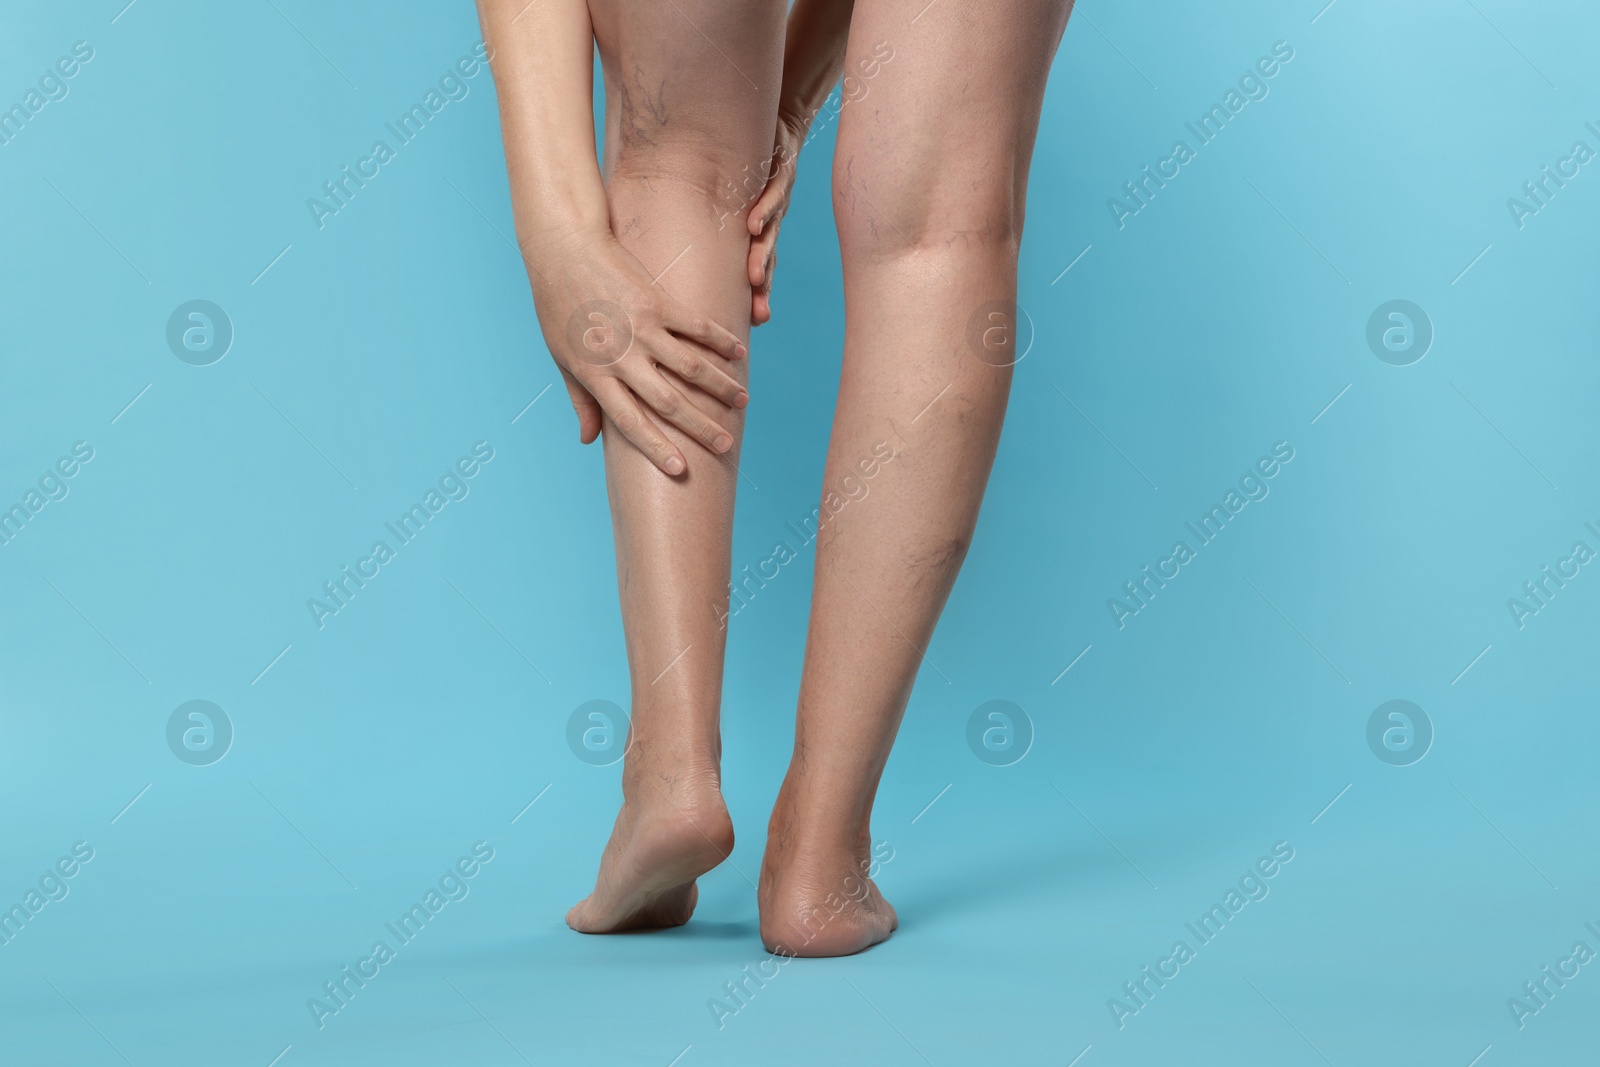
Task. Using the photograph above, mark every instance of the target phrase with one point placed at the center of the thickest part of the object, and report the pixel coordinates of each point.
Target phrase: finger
(585, 405)
(685, 323)
(761, 295)
(682, 360)
(664, 399)
(630, 419)
(761, 250)
(767, 204)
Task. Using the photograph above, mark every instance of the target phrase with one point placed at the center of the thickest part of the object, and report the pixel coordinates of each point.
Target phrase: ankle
(691, 787)
(818, 827)
(669, 740)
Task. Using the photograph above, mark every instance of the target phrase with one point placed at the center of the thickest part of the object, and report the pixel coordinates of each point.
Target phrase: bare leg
(681, 121)
(929, 180)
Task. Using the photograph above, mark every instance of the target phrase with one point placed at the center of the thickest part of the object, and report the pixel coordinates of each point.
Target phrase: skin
(647, 361)
(685, 121)
(929, 182)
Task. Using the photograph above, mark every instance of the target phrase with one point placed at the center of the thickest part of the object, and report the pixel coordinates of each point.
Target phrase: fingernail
(722, 443)
(739, 350)
(741, 398)
(675, 465)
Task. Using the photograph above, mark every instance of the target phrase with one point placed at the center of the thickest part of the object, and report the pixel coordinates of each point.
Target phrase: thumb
(586, 406)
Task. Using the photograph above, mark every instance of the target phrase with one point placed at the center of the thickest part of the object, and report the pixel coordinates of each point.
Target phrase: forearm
(543, 75)
(813, 57)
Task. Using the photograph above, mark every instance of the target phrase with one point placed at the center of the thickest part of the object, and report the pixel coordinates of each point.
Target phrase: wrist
(794, 126)
(795, 118)
(560, 237)
(553, 256)
(557, 209)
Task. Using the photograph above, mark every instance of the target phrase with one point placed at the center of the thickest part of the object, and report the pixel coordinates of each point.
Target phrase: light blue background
(1223, 318)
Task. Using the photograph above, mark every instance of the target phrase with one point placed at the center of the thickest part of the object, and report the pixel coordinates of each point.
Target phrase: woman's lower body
(929, 181)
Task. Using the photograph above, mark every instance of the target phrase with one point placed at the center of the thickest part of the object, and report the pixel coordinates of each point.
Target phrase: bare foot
(670, 831)
(817, 900)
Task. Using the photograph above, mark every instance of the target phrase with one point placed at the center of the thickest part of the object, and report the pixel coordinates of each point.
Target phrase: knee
(927, 202)
(704, 170)
(690, 155)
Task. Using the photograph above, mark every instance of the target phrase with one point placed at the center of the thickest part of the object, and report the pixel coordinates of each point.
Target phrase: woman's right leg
(691, 102)
(929, 178)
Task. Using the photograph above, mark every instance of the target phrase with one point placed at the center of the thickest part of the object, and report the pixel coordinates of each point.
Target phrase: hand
(766, 214)
(629, 350)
